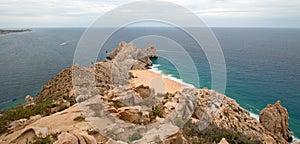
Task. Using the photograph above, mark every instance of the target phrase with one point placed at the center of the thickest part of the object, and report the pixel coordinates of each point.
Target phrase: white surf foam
(295, 140)
(64, 43)
(155, 69)
(254, 115)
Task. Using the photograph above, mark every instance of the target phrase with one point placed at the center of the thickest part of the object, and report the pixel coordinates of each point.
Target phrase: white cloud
(82, 12)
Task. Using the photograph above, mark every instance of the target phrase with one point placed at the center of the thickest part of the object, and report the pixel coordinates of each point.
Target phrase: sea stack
(275, 118)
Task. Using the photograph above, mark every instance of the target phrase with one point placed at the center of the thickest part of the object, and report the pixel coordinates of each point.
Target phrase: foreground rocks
(275, 118)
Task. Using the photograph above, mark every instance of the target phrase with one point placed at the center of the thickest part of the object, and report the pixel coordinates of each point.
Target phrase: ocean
(263, 64)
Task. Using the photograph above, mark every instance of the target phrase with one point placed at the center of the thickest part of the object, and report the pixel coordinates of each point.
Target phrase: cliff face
(274, 118)
(217, 114)
(60, 85)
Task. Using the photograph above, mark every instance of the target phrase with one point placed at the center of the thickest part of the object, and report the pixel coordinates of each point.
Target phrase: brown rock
(84, 138)
(143, 91)
(176, 139)
(114, 53)
(79, 137)
(66, 138)
(268, 140)
(151, 51)
(166, 134)
(29, 100)
(58, 86)
(88, 138)
(228, 114)
(170, 105)
(17, 124)
(223, 141)
(130, 114)
(275, 119)
(33, 119)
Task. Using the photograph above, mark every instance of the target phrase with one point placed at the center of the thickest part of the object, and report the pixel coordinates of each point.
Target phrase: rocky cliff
(274, 118)
(55, 118)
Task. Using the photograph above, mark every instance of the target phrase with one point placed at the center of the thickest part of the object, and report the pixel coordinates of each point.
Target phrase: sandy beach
(154, 80)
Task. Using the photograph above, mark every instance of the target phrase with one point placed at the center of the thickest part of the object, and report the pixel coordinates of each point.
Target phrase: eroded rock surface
(140, 105)
(275, 118)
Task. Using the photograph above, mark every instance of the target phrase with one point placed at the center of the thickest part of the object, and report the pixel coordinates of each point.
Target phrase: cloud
(83, 12)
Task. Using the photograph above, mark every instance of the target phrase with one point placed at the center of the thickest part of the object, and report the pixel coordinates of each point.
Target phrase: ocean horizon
(262, 63)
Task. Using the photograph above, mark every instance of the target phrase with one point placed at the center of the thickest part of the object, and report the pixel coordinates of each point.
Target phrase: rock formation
(223, 141)
(29, 100)
(138, 105)
(143, 91)
(58, 86)
(275, 118)
(151, 51)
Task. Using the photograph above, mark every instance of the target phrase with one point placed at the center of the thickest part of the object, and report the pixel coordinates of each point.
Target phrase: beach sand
(154, 80)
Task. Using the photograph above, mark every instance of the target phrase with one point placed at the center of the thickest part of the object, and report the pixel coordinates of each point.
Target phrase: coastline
(157, 71)
(57, 95)
(3, 32)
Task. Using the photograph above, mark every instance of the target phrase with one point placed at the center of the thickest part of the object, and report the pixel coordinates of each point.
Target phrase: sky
(215, 13)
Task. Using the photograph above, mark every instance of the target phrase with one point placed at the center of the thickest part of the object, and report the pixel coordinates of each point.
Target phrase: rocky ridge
(111, 81)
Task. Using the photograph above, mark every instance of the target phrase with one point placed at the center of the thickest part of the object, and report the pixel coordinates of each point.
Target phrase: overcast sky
(215, 13)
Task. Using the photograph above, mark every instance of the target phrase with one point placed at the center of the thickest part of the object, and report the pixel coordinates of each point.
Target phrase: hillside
(119, 100)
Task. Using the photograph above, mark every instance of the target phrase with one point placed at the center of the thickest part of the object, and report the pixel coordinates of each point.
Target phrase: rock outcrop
(58, 86)
(223, 141)
(230, 115)
(275, 118)
(75, 138)
(29, 100)
(143, 91)
(151, 51)
(112, 72)
(139, 105)
(128, 57)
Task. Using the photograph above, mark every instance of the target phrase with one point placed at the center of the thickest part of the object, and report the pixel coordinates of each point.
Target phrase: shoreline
(3, 32)
(155, 70)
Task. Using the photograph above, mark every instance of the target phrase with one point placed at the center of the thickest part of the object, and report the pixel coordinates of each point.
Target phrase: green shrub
(213, 134)
(79, 118)
(134, 137)
(49, 139)
(19, 112)
(117, 103)
(157, 111)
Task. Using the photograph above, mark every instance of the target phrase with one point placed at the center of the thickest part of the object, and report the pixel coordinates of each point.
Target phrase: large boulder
(29, 100)
(28, 133)
(275, 118)
(114, 53)
(151, 51)
(165, 133)
(17, 124)
(133, 115)
(66, 138)
(223, 141)
(143, 91)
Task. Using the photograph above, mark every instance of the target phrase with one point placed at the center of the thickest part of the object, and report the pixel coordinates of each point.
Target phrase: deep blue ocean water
(263, 64)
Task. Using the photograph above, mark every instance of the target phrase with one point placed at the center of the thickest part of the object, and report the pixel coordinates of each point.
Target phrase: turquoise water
(263, 64)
